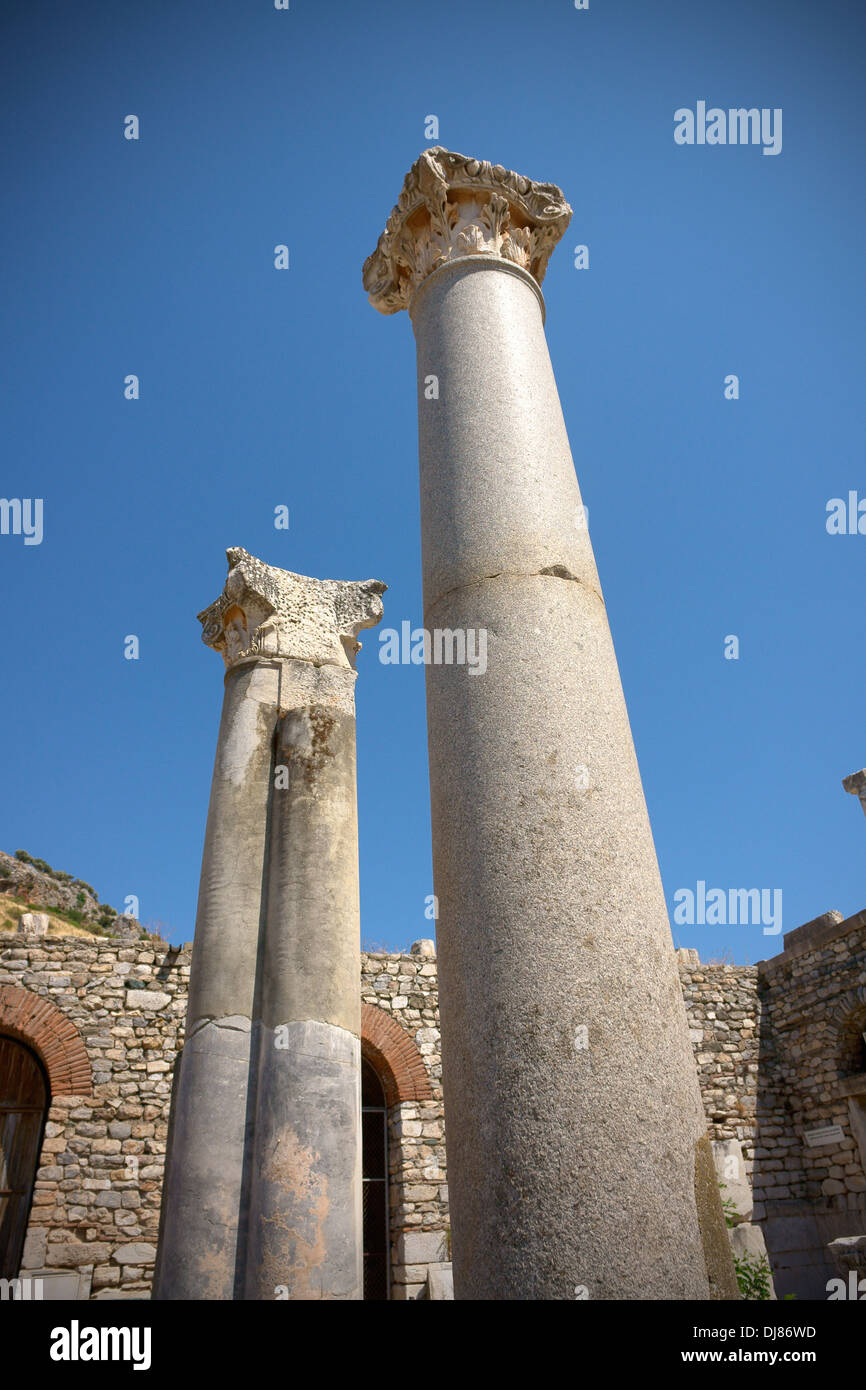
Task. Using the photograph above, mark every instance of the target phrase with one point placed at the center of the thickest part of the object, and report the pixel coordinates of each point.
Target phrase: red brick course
(393, 1053)
(54, 1038)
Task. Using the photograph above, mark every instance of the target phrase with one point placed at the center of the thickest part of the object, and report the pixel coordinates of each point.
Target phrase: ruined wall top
(452, 205)
(269, 612)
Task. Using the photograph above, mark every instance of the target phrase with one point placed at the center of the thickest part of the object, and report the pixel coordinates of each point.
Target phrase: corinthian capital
(451, 206)
(263, 611)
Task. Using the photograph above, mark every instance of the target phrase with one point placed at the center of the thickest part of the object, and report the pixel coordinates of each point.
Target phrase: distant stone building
(90, 1029)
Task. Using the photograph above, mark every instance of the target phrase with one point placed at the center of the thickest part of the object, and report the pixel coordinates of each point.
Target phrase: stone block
(67, 1287)
(747, 1239)
(422, 1247)
(731, 1171)
(34, 923)
(146, 1000)
(74, 1252)
(440, 1282)
(33, 1256)
(423, 947)
(135, 1254)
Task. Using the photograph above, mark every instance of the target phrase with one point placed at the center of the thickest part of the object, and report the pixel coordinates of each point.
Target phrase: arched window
(852, 1039)
(374, 1120)
(24, 1099)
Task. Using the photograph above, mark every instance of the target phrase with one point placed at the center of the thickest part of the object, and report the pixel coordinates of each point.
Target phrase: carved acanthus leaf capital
(451, 206)
(269, 612)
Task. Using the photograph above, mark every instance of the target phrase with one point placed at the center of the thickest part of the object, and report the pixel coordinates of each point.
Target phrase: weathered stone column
(262, 1192)
(578, 1161)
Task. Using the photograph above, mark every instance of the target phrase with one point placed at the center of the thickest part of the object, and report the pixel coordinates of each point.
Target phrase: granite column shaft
(577, 1150)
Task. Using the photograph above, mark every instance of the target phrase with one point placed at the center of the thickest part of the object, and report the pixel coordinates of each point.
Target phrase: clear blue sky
(261, 388)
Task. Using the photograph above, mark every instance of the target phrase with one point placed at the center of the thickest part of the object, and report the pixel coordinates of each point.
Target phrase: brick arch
(34, 1020)
(393, 1053)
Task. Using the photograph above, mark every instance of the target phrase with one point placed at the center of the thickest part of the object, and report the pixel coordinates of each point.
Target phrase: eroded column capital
(269, 612)
(452, 205)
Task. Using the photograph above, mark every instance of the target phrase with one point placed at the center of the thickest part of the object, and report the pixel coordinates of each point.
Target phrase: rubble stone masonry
(779, 1049)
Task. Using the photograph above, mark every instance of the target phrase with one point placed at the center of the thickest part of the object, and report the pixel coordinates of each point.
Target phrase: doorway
(24, 1098)
(374, 1129)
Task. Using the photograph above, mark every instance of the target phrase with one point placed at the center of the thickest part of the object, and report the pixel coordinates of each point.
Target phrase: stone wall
(814, 1001)
(780, 1055)
(778, 1048)
(96, 1202)
(406, 987)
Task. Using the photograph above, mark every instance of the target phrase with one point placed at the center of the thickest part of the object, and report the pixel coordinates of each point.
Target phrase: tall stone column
(578, 1160)
(263, 1186)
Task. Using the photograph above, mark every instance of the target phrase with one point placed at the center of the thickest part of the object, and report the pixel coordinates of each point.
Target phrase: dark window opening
(24, 1099)
(374, 1122)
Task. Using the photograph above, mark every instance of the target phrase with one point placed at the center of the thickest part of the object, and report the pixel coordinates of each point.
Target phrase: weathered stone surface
(856, 785)
(33, 1256)
(731, 1172)
(148, 1000)
(721, 1275)
(35, 886)
(264, 611)
(73, 1252)
(747, 1239)
(503, 555)
(36, 923)
(124, 928)
(139, 1253)
(747, 1242)
(849, 1252)
(440, 1282)
(760, 1049)
(263, 1186)
(452, 206)
(422, 1247)
(305, 1220)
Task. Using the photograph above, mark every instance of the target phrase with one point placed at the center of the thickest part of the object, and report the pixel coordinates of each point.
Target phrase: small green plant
(753, 1276)
(729, 1207)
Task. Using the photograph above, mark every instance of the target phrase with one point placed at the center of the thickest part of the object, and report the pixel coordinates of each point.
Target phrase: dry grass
(12, 908)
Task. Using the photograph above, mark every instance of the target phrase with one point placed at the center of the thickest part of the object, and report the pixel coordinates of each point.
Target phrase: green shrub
(753, 1276)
